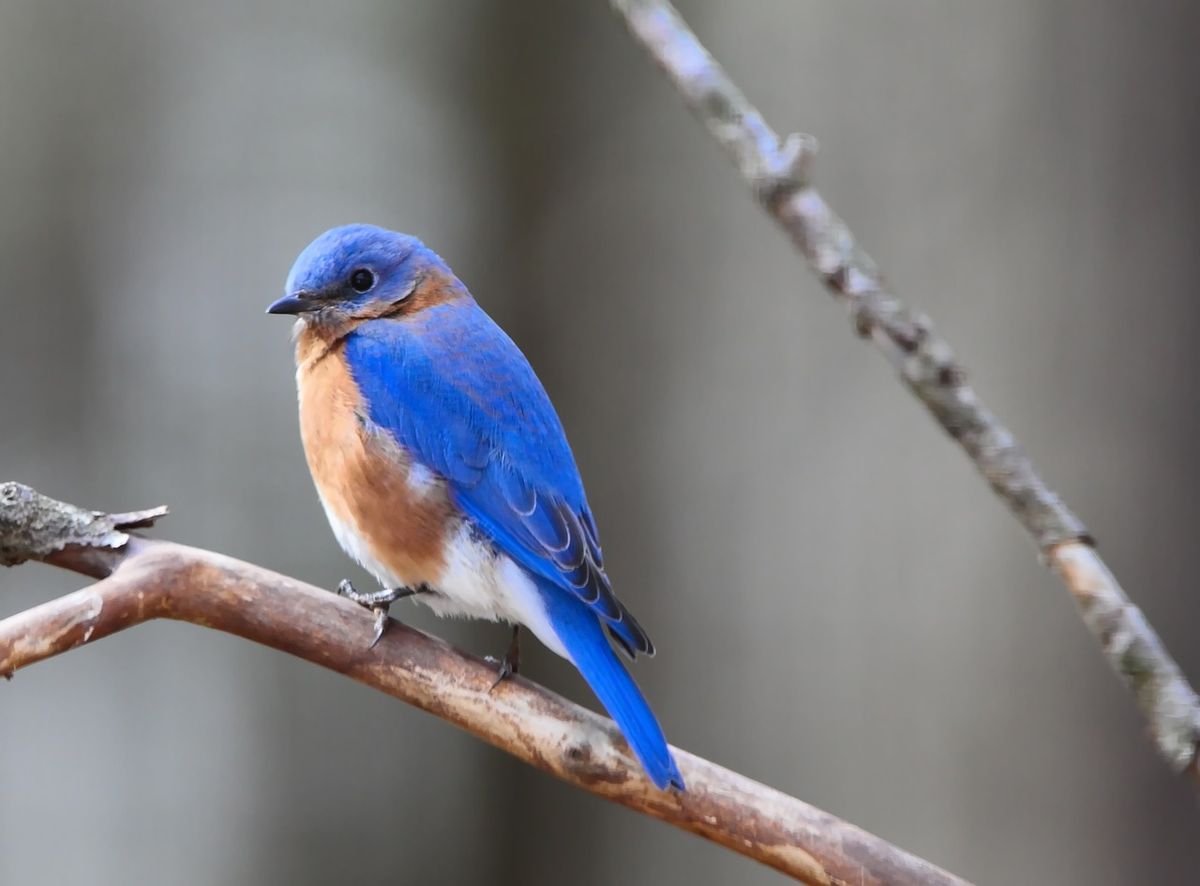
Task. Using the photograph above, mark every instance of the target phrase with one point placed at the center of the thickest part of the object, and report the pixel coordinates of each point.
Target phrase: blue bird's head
(358, 272)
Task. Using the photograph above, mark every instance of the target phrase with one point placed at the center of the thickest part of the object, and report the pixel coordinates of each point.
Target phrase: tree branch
(777, 169)
(143, 579)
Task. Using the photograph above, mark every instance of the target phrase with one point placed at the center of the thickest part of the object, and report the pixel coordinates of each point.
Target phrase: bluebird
(444, 469)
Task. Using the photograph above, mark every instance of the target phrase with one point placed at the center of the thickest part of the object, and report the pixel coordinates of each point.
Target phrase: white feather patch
(421, 480)
(476, 582)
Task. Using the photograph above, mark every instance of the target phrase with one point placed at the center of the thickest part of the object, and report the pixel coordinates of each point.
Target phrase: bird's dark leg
(378, 602)
(511, 663)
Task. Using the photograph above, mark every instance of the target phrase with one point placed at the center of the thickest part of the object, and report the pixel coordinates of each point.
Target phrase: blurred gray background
(841, 608)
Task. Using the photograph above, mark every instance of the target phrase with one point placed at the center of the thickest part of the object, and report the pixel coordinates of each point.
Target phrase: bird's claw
(381, 622)
(505, 671)
(378, 602)
(511, 662)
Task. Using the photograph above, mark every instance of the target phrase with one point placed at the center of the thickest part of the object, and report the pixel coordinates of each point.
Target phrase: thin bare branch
(778, 171)
(143, 579)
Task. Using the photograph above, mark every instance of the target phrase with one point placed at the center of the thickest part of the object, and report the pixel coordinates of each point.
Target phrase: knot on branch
(33, 526)
(785, 169)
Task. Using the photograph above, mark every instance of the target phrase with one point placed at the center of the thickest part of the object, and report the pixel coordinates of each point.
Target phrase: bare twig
(777, 169)
(142, 579)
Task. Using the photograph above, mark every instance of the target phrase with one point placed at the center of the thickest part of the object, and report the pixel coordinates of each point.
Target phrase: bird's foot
(511, 663)
(378, 602)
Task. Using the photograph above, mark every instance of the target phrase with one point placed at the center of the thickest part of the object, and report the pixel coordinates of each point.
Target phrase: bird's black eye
(362, 280)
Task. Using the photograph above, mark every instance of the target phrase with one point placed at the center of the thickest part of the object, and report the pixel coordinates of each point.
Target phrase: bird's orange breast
(364, 478)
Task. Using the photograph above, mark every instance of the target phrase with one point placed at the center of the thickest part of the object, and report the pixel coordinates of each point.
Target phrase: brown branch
(143, 579)
(777, 169)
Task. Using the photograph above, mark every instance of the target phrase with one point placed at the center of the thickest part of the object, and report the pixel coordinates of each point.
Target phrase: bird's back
(454, 374)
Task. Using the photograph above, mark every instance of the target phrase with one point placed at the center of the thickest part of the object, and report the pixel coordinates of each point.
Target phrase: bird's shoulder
(454, 363)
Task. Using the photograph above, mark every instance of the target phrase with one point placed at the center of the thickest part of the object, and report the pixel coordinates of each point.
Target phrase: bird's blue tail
(580, 631)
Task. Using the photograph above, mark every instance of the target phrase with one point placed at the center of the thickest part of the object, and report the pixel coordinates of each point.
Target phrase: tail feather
(581, 634)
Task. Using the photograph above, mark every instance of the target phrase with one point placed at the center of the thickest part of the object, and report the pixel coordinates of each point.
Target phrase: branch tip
(33, 526)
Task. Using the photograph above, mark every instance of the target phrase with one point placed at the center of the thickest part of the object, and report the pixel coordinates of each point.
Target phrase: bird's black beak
(296, 303)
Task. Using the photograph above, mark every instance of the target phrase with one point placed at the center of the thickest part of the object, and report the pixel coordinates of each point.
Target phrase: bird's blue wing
(453, 389)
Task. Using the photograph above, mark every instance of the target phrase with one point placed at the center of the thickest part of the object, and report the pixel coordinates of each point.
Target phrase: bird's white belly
(476, 581)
